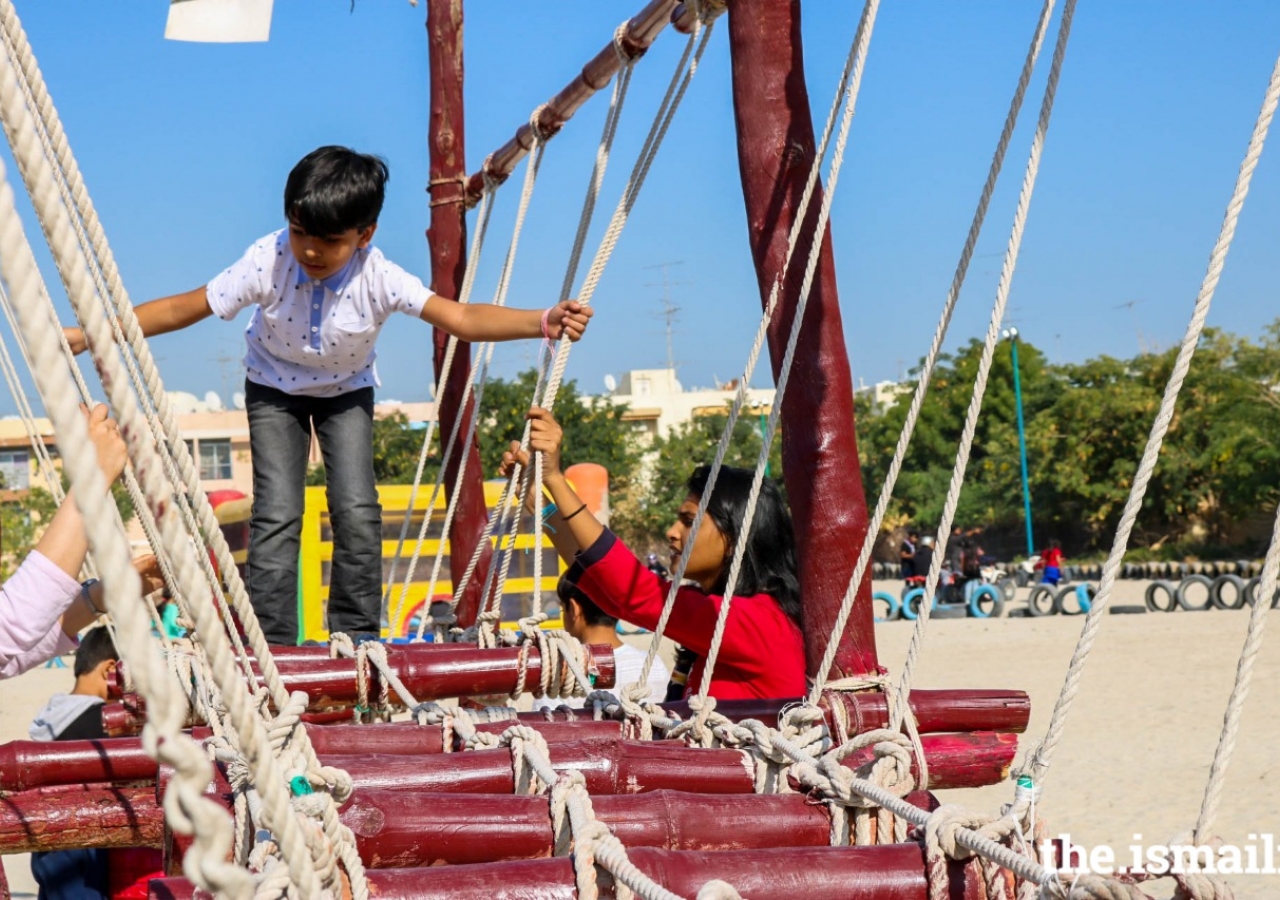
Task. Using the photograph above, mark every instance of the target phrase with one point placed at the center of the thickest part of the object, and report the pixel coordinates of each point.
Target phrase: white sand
(1138, 744)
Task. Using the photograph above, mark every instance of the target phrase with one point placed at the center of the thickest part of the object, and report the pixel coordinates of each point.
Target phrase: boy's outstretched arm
(158, 316)
(486, 322)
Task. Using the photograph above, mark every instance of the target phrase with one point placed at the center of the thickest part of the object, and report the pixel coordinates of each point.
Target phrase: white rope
(484, 354)
(1038, 765)
(83, 221)
(44, 462)
(824, 211)
(988, 353)
(931, 359)
(740, 398)
(685, 70)
(1240, 689)
(503, 511)
(56, 219)
(464, 296)
(185, 807)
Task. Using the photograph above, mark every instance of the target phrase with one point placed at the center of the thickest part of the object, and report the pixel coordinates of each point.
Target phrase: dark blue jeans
(279, 438)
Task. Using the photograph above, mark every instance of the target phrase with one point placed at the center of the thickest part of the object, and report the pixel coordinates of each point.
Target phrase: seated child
(589, 624)
(90, 874)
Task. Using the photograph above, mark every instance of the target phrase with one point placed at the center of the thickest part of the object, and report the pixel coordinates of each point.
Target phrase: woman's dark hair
(769, 563)
(334, 189)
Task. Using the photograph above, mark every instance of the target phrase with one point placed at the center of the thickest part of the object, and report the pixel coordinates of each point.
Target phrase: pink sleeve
(32, 602)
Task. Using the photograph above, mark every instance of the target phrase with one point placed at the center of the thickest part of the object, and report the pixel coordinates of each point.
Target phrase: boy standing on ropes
(321, 294)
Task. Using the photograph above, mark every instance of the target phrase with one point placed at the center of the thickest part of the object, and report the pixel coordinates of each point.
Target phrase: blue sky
(185, 148)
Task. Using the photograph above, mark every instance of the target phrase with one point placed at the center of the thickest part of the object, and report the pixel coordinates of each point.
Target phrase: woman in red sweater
(762, 654)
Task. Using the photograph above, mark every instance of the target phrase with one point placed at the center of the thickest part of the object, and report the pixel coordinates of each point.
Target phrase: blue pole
(1022, 447)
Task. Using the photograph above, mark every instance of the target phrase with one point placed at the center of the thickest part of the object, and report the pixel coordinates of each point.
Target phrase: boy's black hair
(593, 615)
(96, 647)
(334, 189)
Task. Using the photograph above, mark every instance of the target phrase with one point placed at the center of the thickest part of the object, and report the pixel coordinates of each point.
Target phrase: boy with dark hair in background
(91, 874)
(589, 624)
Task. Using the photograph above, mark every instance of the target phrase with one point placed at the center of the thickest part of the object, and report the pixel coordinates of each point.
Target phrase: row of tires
(985, 601)
(1195, 593)
(1167, 571)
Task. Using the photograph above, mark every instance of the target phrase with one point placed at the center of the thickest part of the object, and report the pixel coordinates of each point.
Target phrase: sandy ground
(1138, 744)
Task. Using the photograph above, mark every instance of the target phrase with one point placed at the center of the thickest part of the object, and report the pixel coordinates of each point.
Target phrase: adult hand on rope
(104, 432)
(568, 317)
(545, 437)
(576, 528)
(148, 568)
(75, 339)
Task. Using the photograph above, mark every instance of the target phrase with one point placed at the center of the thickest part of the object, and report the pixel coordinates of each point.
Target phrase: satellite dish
(219, 21)
(237, 399)
(213, 401)
(610, 383)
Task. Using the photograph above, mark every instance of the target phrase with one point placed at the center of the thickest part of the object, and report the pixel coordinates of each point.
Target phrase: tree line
(1215, 486)
(1214, 490)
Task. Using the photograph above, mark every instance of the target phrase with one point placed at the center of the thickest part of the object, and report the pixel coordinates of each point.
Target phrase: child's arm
(159, 316)
(486, 322)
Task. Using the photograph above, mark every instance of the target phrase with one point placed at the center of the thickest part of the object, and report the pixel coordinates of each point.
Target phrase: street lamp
(1011, 334)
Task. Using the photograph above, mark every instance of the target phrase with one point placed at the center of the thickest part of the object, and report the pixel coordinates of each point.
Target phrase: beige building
(657, 401)
(218, 439)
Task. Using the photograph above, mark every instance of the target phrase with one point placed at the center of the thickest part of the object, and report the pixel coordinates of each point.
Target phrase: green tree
(22, 520)
(991, 494)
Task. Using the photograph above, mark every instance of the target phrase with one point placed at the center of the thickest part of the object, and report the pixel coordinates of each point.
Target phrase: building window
(15, 467)
(215, 460)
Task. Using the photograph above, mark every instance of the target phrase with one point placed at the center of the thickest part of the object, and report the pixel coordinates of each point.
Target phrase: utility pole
(669, 309)
(1011, 335)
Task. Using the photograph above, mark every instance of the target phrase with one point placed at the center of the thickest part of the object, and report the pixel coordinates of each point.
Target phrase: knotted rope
(446, 370)
(505, 510)
(846, 91)
(1038, 764)
(931, 358)
(988, 348)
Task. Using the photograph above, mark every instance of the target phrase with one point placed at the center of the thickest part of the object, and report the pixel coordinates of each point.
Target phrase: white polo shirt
(313, 337)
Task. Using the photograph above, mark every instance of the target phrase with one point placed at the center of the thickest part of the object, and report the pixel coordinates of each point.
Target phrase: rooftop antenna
(669, 309)
(1137, 329)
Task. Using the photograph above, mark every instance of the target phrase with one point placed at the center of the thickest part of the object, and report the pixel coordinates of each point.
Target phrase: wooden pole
(447, 238)
(819, 449)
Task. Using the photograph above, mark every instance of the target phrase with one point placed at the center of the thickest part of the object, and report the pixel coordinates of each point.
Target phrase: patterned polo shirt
(313, 337)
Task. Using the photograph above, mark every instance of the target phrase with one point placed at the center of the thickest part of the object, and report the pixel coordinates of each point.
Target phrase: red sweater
(762, 654)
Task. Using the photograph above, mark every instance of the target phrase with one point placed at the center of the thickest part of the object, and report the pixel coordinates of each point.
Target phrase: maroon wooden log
(893, 872)
(819, 448)
(935, 711)
(446, 242)
(397, 829)
(428, 674)
(400, 830)
(26, 765)
(632, 767)
(127, 716)
(638, 36)
(61, 819)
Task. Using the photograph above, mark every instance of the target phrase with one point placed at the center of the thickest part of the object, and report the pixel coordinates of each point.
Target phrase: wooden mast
(446, 238)
(819, 447)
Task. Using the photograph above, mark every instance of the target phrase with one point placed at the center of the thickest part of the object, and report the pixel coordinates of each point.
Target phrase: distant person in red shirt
(762, 653)
(1051, 560)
